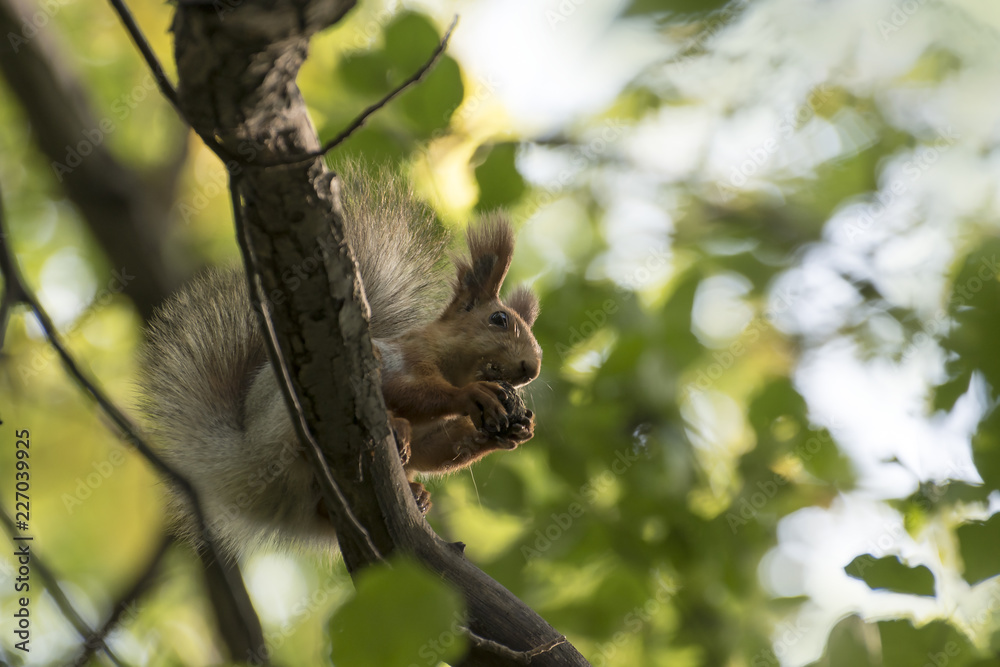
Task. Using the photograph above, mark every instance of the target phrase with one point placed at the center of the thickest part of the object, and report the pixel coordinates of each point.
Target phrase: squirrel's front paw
(482, 403)
(421, 496)
(521, 420)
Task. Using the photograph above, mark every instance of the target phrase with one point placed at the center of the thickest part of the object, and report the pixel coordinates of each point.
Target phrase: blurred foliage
(979, 542)
(427, 626)
(500, 184)
(369, 74)
(672, 507)
(890, 574)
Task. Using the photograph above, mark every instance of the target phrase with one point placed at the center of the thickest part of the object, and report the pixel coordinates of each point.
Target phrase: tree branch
(51, 583)
(332, 495)
(236, 83)
(237, 620)
(125, 604)
(141, 43)
(127, 213)
(16, 291)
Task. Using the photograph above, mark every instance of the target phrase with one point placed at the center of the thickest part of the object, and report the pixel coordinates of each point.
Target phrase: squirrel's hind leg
(403, 434)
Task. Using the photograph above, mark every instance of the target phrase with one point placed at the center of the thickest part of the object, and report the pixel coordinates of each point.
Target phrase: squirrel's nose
(530, 370)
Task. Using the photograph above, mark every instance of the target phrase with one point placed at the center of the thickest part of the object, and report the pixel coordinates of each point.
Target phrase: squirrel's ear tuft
(524, 302)
(491, 246)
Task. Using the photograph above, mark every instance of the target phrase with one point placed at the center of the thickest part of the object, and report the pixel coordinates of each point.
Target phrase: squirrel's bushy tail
(399, 247)
(203, 351)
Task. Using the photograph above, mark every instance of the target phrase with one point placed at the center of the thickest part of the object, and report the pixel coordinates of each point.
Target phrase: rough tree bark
(236, 67)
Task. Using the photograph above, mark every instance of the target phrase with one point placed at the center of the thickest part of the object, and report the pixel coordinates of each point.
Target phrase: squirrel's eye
(499, 318)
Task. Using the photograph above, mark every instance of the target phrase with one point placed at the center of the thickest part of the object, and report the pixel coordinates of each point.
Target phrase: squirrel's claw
(421, 496)
(521, 430)
(402, 432)
(484, 406)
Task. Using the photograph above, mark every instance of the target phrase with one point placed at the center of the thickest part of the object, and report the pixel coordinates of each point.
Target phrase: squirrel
(452, 355)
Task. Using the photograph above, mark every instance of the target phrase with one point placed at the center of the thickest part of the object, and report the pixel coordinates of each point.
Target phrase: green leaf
(431, 101)
(852, 643)
(973, 305)
(366, 72)
(937, 643)
(979, 543)
(890, 574)
(500, 184)
(844, 179)
(400, 616)
(504, 490)
(638, 7)
(410, 40)
(986, 450)
(952, 389)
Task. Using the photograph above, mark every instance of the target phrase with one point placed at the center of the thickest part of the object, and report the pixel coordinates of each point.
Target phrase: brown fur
(448, 383)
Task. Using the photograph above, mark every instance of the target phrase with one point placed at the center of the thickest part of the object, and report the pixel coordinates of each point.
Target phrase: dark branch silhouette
(125, 603)
(129, 212)
(16, 289)
(48, 578)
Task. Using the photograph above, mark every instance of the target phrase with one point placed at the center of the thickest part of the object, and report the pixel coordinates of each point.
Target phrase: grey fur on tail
(400, 250)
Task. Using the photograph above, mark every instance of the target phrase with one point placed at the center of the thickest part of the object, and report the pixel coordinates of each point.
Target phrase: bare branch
(141, 43)
(126, 602)
(210, 141)
(520, 657)
(127, 212)
(414, 79)
(363, 117)
(16, 285)
(52, 585)
(233, 609)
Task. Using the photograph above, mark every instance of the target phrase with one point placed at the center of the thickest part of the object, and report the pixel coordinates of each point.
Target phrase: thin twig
(135, 32)
(96, 638)
(545, 648)
(12, 289)
(13, 276)
(52, 586)
(168, 91)
(7, 302)
(162, 82)
(242, 648)
(332, 494)
(363, 117)
(415, 78)
(522, 657)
